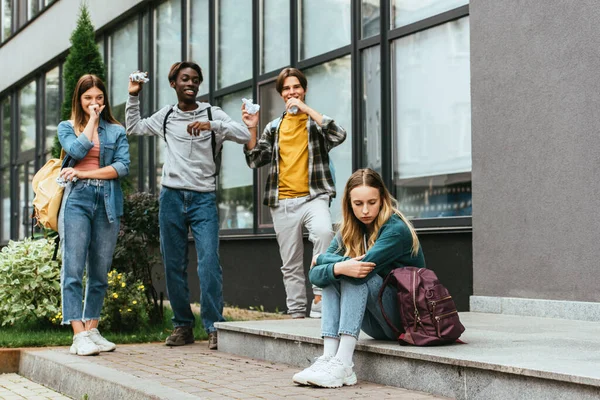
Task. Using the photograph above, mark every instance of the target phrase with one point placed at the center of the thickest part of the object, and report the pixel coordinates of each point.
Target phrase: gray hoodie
(188, 159)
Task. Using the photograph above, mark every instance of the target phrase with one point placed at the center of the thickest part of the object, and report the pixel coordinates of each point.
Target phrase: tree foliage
(84, 58)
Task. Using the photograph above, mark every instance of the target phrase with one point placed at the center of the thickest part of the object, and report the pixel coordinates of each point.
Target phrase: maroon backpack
(427, 311)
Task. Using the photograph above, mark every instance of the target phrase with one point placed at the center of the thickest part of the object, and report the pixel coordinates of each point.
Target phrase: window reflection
(235, 191)
(5, 205)
(168, 49)
(5, 156)
(319, 32)
(27, 117)
(6, 21)
(406, 12)
(371, 105)
(275, 35)
(234, 42)
(52, 112)
(198, 40)
(432, 114)
(370, 18)
(329, 92)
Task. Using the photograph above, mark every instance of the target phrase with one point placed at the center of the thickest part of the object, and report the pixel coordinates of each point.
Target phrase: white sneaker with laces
(334, 374)
(303, 376)
(103, 344)
(83, 345)
(315, 309)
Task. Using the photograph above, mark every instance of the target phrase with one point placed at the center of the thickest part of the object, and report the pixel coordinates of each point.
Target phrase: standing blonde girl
(374, 238)
(90, 211)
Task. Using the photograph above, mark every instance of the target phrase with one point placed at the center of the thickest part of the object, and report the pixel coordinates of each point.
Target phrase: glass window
(5, 206)
(25, 174)
(198, 40)
(271, 106)
(27, 117)
(432, 121)
(236, 200)
(52, 106)
(371, 106)
(100, 44)
(234, 42)
(168, 49)
(275, 35)
(6, 21)
(123, 61)
(370, 24)
(33, 8)
(5, 132)
(320, 19)
(406, 12)
(330, 93)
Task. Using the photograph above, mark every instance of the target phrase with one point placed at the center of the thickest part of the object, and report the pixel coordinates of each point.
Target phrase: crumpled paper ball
(251, 108)
(138, 76)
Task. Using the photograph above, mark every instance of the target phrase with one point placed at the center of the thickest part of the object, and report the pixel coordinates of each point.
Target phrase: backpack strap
(165, 122)
(213, 144)
(383, 286)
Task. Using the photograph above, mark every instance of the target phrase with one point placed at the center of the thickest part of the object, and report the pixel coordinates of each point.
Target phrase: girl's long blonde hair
(78, 115)
(351, 228)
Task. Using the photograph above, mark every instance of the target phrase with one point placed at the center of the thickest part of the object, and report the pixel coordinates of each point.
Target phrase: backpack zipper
(435, 302)
(417, 316)
(437, 321)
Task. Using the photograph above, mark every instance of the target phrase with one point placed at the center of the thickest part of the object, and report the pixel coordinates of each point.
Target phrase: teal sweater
(392, 249)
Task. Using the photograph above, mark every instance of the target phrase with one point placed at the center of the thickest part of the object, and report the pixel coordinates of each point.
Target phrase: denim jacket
(114, 151)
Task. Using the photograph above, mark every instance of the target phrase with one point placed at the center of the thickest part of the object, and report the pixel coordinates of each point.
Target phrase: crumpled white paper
(139, 76)
(251, 108)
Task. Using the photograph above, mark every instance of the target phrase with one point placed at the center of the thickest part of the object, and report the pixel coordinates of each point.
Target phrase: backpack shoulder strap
(213, 144)
(165, 122)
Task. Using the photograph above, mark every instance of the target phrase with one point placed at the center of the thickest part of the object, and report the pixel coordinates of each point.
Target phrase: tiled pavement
(15, 387)
(216, 375)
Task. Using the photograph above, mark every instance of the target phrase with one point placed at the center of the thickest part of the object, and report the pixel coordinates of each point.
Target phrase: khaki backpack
(48, 193)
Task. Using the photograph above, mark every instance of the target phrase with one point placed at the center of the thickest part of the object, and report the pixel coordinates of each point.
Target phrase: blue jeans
(86, 234)
(348, 308)
(180, 210)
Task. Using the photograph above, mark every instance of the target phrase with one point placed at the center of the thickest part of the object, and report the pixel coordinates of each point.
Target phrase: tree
(84, 58)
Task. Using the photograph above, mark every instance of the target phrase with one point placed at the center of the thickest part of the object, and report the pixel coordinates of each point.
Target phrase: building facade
(395, 73)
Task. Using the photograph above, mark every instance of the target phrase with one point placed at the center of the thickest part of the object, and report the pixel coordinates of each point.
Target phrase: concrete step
(506, 357)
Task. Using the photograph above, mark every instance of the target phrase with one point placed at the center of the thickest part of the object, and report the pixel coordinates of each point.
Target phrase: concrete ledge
(575, 310)
(9, 360)
(75, 377)
(506, 356)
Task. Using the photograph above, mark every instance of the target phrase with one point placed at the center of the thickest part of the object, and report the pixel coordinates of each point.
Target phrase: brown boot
(212, 340)
(181, 335)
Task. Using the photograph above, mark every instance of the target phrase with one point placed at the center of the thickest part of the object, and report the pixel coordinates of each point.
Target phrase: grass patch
(43, 334)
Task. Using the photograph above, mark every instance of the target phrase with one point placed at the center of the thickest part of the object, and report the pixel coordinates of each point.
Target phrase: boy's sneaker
(334, 374)
(315, 309)
(181, 335)
(83, 345)
(103, 344)
(212, 341)
(305, 375)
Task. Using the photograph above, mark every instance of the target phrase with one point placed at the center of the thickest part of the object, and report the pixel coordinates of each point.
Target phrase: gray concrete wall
(48, 36)
(535, 82)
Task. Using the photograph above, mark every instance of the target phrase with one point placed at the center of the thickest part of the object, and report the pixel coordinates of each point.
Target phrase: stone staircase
(506, 356)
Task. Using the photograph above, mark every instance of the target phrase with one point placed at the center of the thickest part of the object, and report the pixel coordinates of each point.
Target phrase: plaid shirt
(321, 139)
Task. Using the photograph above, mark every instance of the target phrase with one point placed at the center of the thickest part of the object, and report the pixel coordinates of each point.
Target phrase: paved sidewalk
(15, 387)
(216, 375)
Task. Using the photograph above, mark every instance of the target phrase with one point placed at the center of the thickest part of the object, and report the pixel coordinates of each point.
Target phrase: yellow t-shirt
(293, 156)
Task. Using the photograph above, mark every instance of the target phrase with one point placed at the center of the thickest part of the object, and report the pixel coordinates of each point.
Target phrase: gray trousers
(288, 220)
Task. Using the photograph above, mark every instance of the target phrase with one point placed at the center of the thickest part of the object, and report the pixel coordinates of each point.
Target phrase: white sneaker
(334, 374)
(103, 344)
(83, 345)
(315, 309)
(303, 376)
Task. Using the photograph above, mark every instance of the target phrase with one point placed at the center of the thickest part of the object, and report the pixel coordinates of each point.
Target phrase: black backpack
(213, 140)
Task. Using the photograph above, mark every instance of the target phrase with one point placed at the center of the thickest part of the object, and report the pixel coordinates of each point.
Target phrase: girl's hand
(68, 174)
(314, 260)
(95, 111)
(354, 268)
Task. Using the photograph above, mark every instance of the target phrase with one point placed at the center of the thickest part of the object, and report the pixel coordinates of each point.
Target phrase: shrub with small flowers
(125, 305)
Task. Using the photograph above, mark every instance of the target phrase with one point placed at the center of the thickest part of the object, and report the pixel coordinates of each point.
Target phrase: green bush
(137, 247)
(125, 306)
(29, 282)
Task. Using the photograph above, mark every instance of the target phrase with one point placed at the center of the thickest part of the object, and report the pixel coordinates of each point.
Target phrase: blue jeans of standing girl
(86, 235)
(348, 308)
